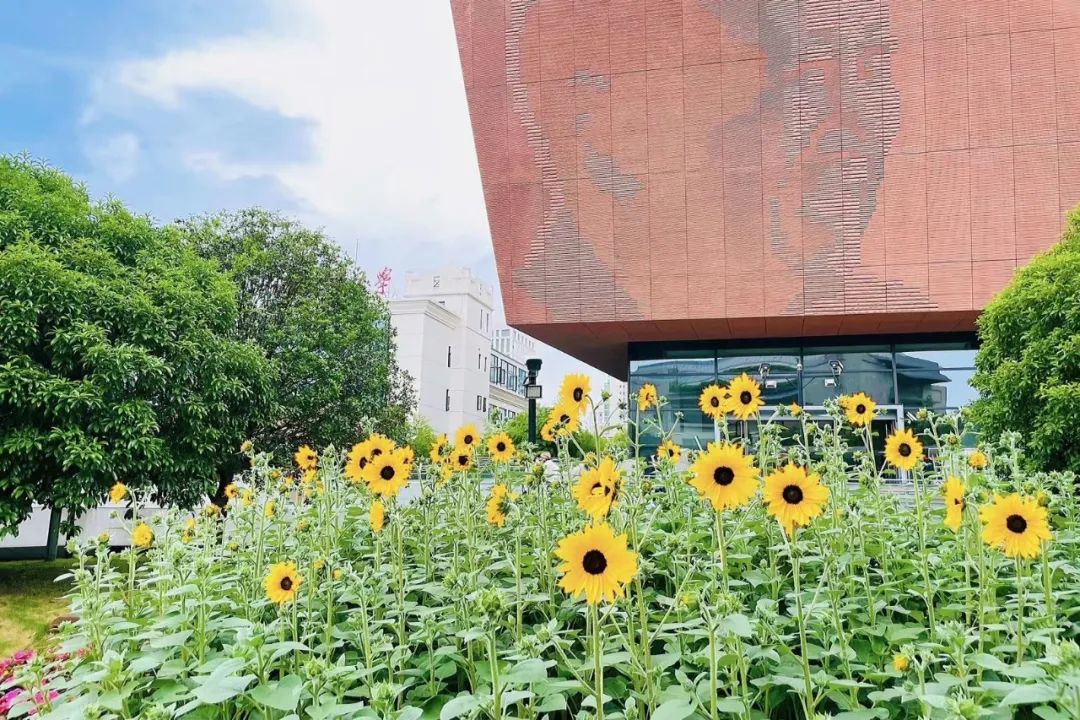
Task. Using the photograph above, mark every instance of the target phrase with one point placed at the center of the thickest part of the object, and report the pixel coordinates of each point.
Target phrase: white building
(509, 351)
(613, 411)
(443, 324)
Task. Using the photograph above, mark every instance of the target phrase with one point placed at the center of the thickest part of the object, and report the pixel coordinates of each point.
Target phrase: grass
(29, 601)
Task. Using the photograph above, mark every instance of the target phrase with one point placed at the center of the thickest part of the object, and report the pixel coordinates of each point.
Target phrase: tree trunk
(52, 543)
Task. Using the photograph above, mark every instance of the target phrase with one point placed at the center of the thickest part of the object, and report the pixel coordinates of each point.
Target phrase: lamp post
(533, 392)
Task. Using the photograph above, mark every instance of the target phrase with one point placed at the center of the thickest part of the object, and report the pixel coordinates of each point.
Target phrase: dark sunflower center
(463, 460)
(745, 397)
(286, 583)
(578, 394)
(958, 501)
(714, 401)
(723, 476)
(594, 562)
(387, 473)
(904, 450)
(860, 408)
(500, 446)
(1016, 524)
(363, 463)
(793, 495)
(376, 452)
(468, 439)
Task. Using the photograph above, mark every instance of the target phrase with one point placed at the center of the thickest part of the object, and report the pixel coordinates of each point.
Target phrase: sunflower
(903, 450)
(860, 409)
(712, 401)
(269, 508)
(954, 503)
(669, 450)
(575, 390)
(387, 473)
(357, 460)
(338, 573)
(306, 458)
(500, 447)
(744, 397)
(646, 397)
(461, 459)
(795, 409)
(408, 456)
(282, 583)
(231, 491)
(794, 496)
(900, 662)
(142, 536)
(725, 476)
(118, 492)
(247, 497)
(441, 444)
(596, 563)
(446, 473)
(565, 419)
(547, 432)
(597, 489)
(498, 504)
(467, 437)
(379, 445)
(978, 460)
(377, 516)
(1015, 525)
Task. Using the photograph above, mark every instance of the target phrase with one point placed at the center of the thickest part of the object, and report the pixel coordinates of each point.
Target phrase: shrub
(1028, 368)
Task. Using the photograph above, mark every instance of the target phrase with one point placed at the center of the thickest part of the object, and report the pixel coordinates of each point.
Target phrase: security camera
(837, 367)
(763, 370)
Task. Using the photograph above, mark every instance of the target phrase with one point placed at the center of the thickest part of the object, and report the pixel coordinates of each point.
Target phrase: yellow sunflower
(498, 504)
(575, 390)
(446, 472)
(461, 459)
(247, 497)
(1015, 525)
(900, 662)
(565, 419)
(377, 516)
(795, 409)
(712, 401)
(977, 460)
(118, 492)
(386, 474)
(269, 508)
(646, 397)
(596, 564)
(954, 502)
(357, 460)
(282, 583)
(467, 437)
(743, 397)
(860, 409)
(231, 491)
(903, 450)
(597, 489)
(500, 447)
(547, 432)
(379, 444)
(441, 444)
(794, 496)
(306, 458)
(725, 476)
(669, 450)
(142, 536)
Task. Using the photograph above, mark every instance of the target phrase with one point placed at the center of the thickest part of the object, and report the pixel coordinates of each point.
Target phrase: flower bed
(763, 578)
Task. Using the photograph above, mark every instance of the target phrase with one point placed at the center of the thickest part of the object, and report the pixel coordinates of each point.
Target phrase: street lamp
(533, 392)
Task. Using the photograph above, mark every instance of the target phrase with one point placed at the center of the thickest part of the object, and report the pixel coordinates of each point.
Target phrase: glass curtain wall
(932, 374)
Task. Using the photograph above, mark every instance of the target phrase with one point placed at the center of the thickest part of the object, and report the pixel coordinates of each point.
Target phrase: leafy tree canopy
(117, 355)
(1028, 368)
(326, 335)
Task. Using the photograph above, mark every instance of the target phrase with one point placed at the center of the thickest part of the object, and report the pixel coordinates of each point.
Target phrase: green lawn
(29, 600)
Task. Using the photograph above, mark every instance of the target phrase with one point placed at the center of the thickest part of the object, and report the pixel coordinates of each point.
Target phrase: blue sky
(348, 115)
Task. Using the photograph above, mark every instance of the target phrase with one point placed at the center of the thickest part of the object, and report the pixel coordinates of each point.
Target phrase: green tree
(1028, 368)
(117, 361)
(326, 335)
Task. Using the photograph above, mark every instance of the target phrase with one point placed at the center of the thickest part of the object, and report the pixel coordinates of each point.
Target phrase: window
(448, 349)
(448, 399)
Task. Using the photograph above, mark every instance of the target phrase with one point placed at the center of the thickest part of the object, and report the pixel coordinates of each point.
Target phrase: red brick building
(669, 175)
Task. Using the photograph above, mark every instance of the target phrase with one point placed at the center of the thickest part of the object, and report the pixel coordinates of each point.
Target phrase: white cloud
(116, 156)
(380, 87)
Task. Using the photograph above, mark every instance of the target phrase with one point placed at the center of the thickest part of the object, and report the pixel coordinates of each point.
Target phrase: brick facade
(682, 169)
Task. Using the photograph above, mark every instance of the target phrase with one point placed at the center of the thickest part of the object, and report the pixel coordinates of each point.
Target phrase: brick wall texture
(707, 169)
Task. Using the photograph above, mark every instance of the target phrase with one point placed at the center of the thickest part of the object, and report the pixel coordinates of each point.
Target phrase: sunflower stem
(796, 570)
(721, 540)
(1019, 611)
(598, 668)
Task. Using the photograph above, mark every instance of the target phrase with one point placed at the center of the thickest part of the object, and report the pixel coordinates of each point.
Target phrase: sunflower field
(773, 573)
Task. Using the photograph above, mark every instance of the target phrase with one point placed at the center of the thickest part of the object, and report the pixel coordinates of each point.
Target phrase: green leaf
(1030, 695)
(527, 671)
(459, 706)
(674, 710)
(283, 694)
